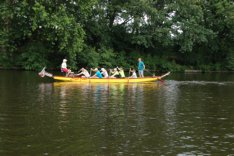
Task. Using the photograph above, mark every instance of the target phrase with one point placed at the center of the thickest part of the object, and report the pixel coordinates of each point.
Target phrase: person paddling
(104, 73)
(97, 73)
(114, 73)
(84, 73)
(141, 67)
(133, 71)
(121, 72)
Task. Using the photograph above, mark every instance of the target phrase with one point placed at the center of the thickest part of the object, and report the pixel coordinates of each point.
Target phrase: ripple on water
(170, 118)
(229, 136)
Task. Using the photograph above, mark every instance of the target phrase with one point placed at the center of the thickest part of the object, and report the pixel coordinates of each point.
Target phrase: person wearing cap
(104, 73)
(121, 72)
(97, 74)
(84, 73)
(141, 67)
(64, 67)
(114, 73)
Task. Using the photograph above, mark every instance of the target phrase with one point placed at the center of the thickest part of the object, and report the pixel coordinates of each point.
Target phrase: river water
(187, 114)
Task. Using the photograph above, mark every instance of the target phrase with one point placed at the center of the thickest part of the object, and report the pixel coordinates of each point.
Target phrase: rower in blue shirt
(97, 73)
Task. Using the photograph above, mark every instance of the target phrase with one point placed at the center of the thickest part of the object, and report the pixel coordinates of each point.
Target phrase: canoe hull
(105, 80)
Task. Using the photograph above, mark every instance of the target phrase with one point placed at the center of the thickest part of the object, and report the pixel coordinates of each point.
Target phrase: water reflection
(171, 94)
(113, 103)
(170, 118)
(45, 89)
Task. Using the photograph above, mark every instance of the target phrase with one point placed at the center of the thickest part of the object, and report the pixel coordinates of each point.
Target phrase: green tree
(168, 34)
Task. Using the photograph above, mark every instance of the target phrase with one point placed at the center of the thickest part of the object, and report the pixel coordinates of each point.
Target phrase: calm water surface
(187, 114)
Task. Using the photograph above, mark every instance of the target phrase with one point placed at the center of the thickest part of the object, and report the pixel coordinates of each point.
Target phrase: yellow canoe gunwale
(105, 80)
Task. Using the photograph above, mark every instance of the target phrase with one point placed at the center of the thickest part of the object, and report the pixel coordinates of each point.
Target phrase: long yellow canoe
(104, 80)
(100, 80)
(108, 80)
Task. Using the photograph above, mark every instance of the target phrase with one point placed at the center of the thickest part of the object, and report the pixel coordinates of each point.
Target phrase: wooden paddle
(149, 72)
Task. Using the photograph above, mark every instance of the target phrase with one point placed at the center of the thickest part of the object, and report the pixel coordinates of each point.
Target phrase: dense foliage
(168, 34)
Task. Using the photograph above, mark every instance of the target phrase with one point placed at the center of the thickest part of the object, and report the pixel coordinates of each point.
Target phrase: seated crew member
(114, 73)
(64, 67)
(97, 73)
(84, 73)
(121, 72)
(104, 73)
(133, 71)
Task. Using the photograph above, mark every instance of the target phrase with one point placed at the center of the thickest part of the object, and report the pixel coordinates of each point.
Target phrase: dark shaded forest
(168, 34)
